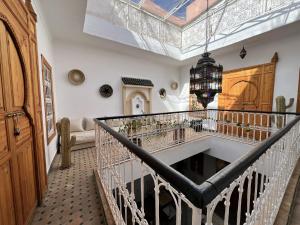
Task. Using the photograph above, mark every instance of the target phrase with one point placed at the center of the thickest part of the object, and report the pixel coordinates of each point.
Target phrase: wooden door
(17, 169)
(248, 89)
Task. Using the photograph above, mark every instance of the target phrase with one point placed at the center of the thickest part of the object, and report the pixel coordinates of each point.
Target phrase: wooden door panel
(36, 80)
(236, 89)
(242, 92)
(251, 90)
(269, 68)
(25, 130)
(19, 10)
(3, 139)
(256, 95)
(7, 212)
(39, 126)
(18, 151)
(267, 81)
(27, 179)
(16, 75)
(1, 96)
(248, 89)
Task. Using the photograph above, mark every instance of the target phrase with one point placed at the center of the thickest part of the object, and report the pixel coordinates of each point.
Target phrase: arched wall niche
(138, 104)
(137, 99)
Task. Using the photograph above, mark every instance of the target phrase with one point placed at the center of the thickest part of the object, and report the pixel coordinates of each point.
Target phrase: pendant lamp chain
(206, 77)
(206, 29)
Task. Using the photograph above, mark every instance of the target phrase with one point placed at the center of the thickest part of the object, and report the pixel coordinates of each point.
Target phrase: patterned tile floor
(72, 198)
(295, 215)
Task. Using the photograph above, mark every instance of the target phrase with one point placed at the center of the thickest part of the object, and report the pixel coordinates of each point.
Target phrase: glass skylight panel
(174, 7)
(178, 12)
(182, 23)
(135, 1)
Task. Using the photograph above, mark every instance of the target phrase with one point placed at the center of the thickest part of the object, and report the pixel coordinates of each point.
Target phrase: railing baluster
(142, 189)
(240, 191)
(156, 191)
(132, 179)
(250, 176)
(118, 165)
(227, 205)
(196, 216)
(178, 212)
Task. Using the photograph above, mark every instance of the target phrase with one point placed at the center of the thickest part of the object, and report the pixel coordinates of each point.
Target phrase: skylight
(177, 28)
(172, 4)
(178, 12)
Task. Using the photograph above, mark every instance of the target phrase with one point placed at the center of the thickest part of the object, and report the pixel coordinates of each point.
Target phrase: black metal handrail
(191, 111)
(176, 179)
(223, 178)
(200, 195)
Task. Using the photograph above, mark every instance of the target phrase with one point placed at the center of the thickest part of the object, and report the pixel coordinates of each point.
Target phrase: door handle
(17, 130)
(15, 116)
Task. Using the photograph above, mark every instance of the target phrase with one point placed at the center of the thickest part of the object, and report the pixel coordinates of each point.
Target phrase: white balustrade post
(156, 192)
(196, 216)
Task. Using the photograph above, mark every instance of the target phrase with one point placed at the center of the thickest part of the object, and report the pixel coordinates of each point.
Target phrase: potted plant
(179, 132)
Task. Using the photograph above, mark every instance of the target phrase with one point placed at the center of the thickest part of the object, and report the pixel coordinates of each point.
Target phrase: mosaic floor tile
(72, 197)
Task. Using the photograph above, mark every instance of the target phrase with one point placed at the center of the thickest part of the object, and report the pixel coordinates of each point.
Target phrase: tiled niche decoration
(137, 96)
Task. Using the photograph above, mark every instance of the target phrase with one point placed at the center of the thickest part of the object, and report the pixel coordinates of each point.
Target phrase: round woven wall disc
(106, 91)
(76, 77)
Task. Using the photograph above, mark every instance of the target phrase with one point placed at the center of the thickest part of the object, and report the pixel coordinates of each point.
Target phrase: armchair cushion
(76, 125)
(89, 124)
(84, 137)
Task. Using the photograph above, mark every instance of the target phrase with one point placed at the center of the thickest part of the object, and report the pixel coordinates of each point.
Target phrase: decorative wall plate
(76, 77)
(106, 91)
(174, 85)
(163, 93)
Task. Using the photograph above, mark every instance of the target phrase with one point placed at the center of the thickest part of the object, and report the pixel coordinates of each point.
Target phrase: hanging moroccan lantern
(206, 79)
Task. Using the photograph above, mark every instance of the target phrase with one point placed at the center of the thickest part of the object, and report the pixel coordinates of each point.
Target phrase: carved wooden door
(242, 93)
(17, 171)
(248, 89)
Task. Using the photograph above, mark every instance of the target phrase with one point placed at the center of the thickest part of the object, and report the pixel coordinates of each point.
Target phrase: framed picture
(48, 100)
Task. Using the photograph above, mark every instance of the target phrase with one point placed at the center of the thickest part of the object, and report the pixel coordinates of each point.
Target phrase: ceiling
(66, 18)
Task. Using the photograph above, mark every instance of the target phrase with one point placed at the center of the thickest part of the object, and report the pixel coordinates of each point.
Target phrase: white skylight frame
(223, 16)
(155, 34)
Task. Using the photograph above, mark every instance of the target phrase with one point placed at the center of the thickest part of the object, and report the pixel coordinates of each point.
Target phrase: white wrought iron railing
(248, 191)
(157, 132)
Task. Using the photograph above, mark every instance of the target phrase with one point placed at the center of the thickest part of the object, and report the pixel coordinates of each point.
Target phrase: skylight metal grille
(224, 18)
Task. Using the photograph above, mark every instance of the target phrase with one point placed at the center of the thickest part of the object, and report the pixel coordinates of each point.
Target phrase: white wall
(259, 52)
(106, 67)
(45, 48)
